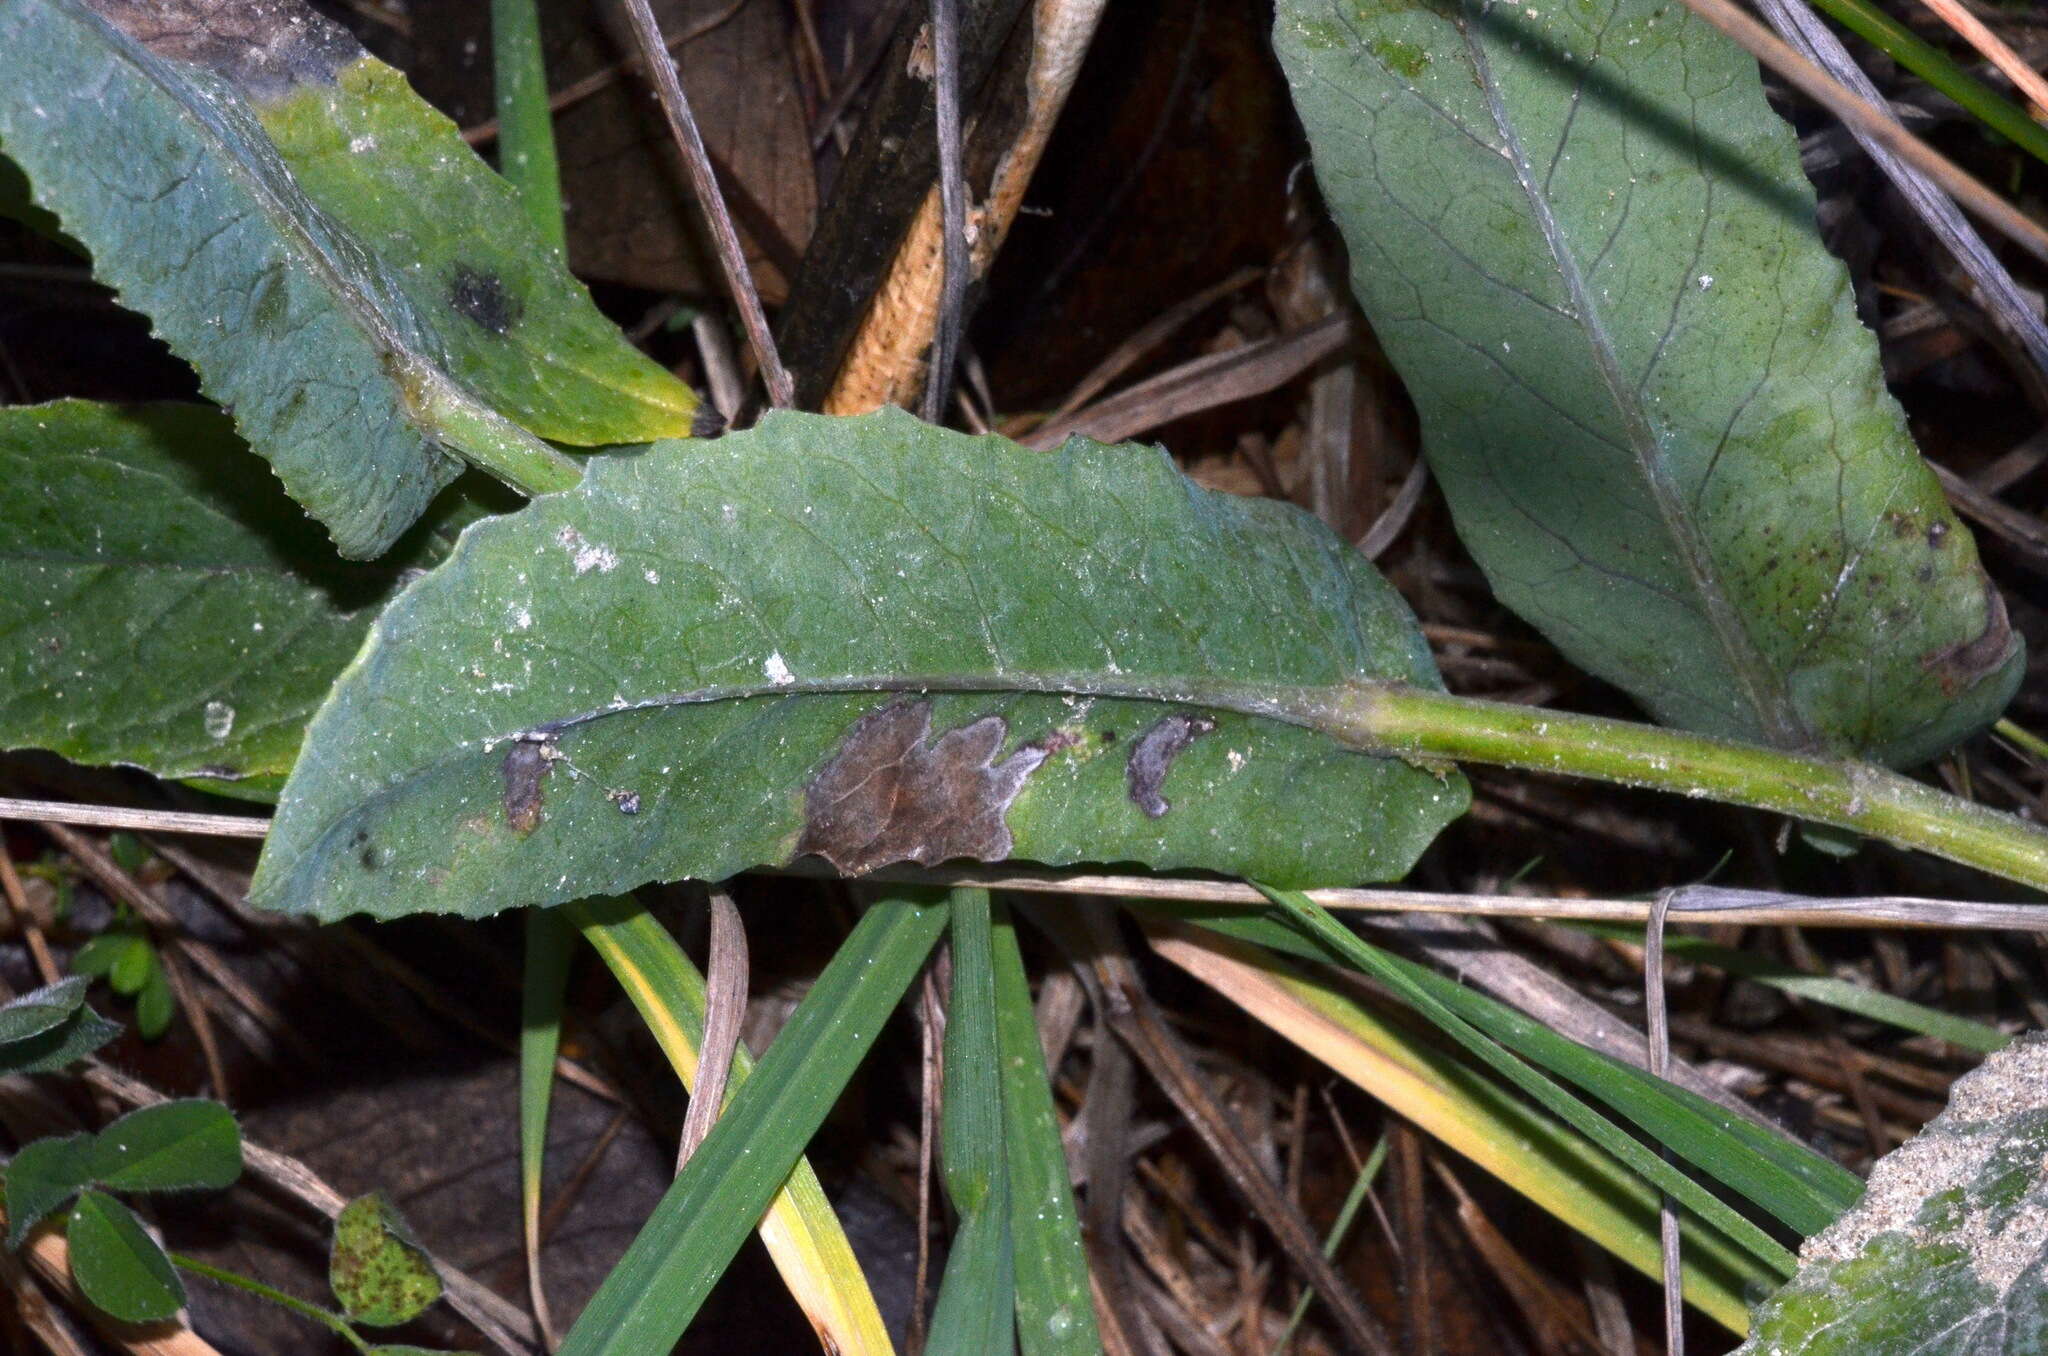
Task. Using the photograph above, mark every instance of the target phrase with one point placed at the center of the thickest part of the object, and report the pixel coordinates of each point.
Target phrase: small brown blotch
(893, 794)
(526, 767)
(481, 297)
(1965, 663)
(1109, 736)
(1937, 535)
(1152, 755)
(627, 801)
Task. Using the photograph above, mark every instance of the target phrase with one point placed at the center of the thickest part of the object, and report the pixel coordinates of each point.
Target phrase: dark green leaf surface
(1585, 242)
(709, 648)
(42, 1178)
(162, 602)
(1946, 1252)
(185, 1145)
(344, 272)
(380, 1275)
(77, 1036)
(117, 1265)
(33, 1014)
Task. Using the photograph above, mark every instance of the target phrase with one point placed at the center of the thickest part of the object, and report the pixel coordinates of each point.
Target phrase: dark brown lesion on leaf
(893, 794)
(263, 47)
(1152, 755)
(481, 297)
(526, 768)
(1964, 664)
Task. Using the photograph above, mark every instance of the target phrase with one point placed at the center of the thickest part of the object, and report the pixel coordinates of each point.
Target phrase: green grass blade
(550, 945)
(1319, 925)
(1396, 1061)
(801, 1231)
(1361, 1187)
(651, 1295)
(526, 125)
(1938, 69)
(976, 1308)
(1055, 1309)
(1803, 1189)
(1835, 993)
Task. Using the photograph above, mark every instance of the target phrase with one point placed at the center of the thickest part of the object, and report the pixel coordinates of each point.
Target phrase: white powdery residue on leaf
(777, 670)
(220, 720)
(651, 576)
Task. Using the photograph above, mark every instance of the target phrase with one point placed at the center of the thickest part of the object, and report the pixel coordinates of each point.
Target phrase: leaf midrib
(1763, 688)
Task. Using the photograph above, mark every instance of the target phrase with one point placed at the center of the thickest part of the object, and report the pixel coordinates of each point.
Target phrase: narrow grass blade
(1320, 926)
(1961, 1032)
(1361, 1187)
(771, 1112)
(1055, 1314)
(550, 945)
(1529, 1150)
(1803, 1189)
(976, 1310)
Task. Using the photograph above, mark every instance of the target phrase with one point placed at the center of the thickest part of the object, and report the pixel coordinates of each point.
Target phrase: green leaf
(166, 604)
(976, 1311)
(650, 1296)
(155, 1005)
(344, 272)
(1584, 240)
(188, 1145)
(71, 1040)
(380, 1275)
(40, 1011)
(134, 966)
(101, 955)
(705, 646)
(117, 1265)
(1945, 1253)
(42, 1178)
(1055, 1308)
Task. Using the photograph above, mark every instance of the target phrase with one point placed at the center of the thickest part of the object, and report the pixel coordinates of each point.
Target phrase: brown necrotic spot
(1152, 755)
(526, 767)
(1962, 665)
(893, 794)
(482, 298)
(264, 47)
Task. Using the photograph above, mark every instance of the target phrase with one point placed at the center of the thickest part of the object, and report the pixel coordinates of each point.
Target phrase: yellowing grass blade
(1557, 1169)
(800, 1230)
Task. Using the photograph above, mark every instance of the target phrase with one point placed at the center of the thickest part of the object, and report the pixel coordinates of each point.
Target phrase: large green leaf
(344, 272)
(1946, 1252)
(1584, 240)
(162, 603)
(860, 638)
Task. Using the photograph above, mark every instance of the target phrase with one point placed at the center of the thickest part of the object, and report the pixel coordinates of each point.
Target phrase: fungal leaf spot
(1152, 755)
(526, 767)
(482, 298)
(893, 794)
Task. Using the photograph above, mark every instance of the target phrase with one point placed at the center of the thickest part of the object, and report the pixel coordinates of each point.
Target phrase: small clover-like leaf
(380, 1275)
(32, 1014)
(118, 1266)
(42, 1178)
(172, 1146)
(72, 1039)
(154, 1006)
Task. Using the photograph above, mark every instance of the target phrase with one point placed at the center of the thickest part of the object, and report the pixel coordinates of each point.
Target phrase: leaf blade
(362, 311)
(117, 1265)
(185, 1145)
(1586, 243)
(757, 593)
